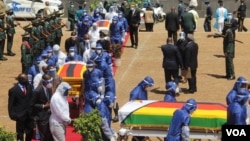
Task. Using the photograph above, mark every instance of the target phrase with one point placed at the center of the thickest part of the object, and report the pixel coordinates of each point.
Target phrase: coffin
(72, 72)
(157, 115)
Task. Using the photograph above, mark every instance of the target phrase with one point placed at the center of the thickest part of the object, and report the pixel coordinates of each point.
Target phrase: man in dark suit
(241, 14)
(74, 41)
(191, 62)
(208, 17)
(172, 61)
(41, 107)
(134, 22)
(172, 24)
(19, 107)
(188, 23)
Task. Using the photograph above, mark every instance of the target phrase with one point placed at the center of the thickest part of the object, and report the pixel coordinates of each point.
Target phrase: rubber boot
(115, 109)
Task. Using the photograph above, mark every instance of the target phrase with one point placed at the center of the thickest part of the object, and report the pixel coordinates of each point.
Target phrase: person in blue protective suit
(140, 92)
(123, 21)
(52, 59)
(116, 31)
(110, 90)
(73, 56)
(83, 27)
(179, 125)
(237, 110)
(92, 78)
(89, 98)
(172, 91)
(97, 16)
(241, 83)
(105, 56)
(108, 134)
(34, 70)
(88, 16)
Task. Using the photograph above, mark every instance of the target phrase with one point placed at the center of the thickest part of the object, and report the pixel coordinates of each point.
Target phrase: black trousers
(24, 127)
(2, 43)
(169, 74)
(149, 26)
(173, 34)
(241, 24)
(207, 25)
(192, 80)
(133, 30)
(44, 130)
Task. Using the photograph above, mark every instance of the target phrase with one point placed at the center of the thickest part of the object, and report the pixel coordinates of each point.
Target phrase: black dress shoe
(231, 78)
(11, 54)
(3, 59)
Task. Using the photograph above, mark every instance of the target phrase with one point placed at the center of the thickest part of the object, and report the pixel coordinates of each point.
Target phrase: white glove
(99, 89)
(98, 101)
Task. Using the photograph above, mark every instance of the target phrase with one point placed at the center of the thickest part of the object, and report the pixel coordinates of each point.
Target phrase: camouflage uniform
(26, 54)
(10, 31)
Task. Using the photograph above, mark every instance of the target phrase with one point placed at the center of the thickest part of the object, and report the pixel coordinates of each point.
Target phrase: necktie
(24, 90)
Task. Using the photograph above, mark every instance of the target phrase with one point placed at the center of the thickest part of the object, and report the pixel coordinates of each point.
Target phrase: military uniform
(26, 53)
(2, 37)
(35, 37)
(71, 16)
(47, 30)
(42, 33)
(10, 31)
(59, 26)
(52, 28)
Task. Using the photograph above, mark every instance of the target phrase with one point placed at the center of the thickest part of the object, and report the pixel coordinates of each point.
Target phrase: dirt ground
(147, 61)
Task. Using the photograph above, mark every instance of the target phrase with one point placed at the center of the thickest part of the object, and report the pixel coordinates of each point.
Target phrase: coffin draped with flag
(72, 72)
(147, 114)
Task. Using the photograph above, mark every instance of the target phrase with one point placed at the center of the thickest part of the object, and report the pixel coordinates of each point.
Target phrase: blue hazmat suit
(104, 56)
(52, 59)
(170, 94)
(237, 86)
(34, 69)
(123, 21)
(97, 16)
(237, 110)
(83, 28)
(90, 97)
(139, 92)
(91, 79)
(116, 31)
(178, 129)
(74, 56)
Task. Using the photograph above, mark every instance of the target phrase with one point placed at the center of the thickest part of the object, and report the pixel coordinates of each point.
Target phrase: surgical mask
(97, 14)
(87, 41)
(72, 54)
(114, 22)
(90, 69)
(49, 54)
(132, 8)
(98, 51)
(84, 13)
(49, 86)
(229, 17)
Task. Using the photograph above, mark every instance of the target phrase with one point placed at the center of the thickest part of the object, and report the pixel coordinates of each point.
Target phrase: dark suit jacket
(171, 57)
(134, 18)
(18, 103)
(172, 22)
(77, 43)
(242, 11)
(38, 99)
(191, 55)
(187, 22)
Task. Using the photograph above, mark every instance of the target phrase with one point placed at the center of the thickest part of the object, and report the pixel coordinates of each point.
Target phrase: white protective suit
(94, 34)
(60, 55)
(60, 115)
(38, 78)
(88, 52)
(109, 16)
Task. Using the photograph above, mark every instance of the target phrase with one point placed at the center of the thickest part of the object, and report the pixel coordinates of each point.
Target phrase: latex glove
(112, 139)
(99, 89)
(98, 101)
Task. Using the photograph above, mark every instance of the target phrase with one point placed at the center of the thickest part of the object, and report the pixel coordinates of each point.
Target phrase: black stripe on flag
(70, 70)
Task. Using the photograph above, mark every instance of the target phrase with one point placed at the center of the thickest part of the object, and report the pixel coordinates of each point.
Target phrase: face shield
(90, 68)
(148, 88)
(52, 72)
(47, 83)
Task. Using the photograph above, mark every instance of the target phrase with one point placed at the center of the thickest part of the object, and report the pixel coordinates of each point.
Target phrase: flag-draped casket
(72, 72)
(147, 114)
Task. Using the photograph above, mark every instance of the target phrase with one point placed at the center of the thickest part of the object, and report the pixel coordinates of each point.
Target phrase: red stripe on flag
(78, 70)
(63, 72)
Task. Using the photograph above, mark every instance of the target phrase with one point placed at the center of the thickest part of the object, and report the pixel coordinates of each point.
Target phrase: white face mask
(49, 54)
(49, 86)
(132, 9)
(97, 14)
(90, 69)
(98, 51)
(229, 17)
(72, 6)
(72, 54)
(84, 13)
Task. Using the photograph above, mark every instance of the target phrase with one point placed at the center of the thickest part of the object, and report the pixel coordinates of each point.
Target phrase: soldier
(52, 27)
(47, 30)
(59, 25)
(43, 34)
(34, 36)
(26, 53)
(71, 16)
(10, 31)
(2, 36)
